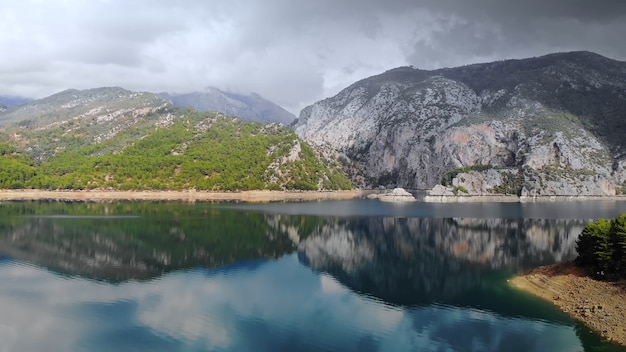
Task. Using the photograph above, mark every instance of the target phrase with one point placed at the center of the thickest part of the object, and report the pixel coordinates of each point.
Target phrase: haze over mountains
(552, 125)
(12, 101)
(8, 101)
(251, 107)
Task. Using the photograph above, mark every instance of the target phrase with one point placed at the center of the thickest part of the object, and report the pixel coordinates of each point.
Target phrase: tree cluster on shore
(602, 248)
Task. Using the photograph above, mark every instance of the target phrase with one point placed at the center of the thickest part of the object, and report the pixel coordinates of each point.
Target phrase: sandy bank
(600, 305)
(188, 196)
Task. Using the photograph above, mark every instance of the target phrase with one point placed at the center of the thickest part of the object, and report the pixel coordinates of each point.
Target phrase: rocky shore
(471, 198)
(436, 195)
(186, 196)
(600, 305)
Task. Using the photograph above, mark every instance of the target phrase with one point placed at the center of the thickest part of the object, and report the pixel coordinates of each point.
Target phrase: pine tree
(589, 242)
(617, 238)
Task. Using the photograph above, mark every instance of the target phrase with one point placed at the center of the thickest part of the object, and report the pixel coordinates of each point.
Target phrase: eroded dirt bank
(600, 305)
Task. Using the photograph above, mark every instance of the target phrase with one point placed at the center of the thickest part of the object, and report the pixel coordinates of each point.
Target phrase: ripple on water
(86, 217)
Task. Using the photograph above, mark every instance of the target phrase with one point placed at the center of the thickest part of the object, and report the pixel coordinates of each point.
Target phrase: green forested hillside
(204, 151)
(16, 169)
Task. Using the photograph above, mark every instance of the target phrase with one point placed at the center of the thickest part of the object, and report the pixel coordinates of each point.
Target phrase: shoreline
(263, 196)
(599, 305)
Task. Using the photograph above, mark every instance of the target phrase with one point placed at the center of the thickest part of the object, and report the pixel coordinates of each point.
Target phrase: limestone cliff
(553, 125)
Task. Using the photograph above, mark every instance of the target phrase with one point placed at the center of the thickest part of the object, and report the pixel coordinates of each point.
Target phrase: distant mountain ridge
(552, 125)
(12, 100)
(251, 107)
(79, 103)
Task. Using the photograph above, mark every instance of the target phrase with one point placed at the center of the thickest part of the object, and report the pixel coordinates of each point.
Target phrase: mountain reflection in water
(384, 251)
(133, 240)
(411, 260)
(201, 277)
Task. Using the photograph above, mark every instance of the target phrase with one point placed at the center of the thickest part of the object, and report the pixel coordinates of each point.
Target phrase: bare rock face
(552, 125)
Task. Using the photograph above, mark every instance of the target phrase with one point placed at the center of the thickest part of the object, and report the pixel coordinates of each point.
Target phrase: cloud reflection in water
(272, 306)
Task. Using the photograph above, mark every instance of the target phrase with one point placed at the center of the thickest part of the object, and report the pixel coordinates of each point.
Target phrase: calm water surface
(330, 276)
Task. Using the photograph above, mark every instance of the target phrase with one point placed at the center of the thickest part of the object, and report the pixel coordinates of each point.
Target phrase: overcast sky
(293, 52)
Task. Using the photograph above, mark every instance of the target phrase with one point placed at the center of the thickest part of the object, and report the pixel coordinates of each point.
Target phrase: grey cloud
(292, 52)
(486, 30)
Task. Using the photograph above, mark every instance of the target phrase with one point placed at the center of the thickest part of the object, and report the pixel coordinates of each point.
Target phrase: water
(330, 276)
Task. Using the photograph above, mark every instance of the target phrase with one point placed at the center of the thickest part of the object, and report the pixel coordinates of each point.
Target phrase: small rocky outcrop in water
(545, 126)
(395, 195)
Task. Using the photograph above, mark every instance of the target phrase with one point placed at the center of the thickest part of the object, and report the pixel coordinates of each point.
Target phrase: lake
(359, 275)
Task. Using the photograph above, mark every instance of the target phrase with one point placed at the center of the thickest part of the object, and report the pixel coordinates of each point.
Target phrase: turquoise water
(329, 276)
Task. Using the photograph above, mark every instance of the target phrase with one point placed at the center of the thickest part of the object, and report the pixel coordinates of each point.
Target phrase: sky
(292, 52)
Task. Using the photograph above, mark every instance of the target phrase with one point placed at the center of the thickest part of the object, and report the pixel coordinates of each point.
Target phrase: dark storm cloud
(484, 30)
(292, 52)
(582, 10)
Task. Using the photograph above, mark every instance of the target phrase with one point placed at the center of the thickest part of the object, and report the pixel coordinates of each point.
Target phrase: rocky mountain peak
(552, 125)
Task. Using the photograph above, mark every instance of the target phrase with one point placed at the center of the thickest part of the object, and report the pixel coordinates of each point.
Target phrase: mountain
(251, 107)
(552, 125)
(112, 138)
(76, 118)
